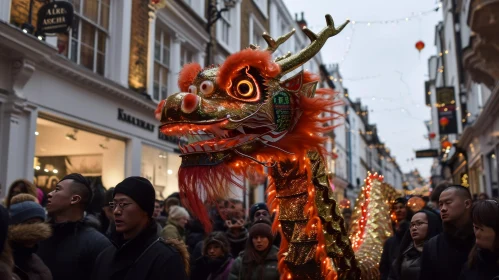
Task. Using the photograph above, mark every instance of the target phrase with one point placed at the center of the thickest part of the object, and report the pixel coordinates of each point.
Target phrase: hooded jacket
(145, 257)
(71, 251)
(28, 266)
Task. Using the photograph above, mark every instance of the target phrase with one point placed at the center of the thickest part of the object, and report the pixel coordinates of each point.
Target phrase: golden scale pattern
(291, 186)
(377, 227)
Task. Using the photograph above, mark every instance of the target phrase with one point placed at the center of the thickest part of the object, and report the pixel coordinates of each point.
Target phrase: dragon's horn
(273, 44)
(292, 62)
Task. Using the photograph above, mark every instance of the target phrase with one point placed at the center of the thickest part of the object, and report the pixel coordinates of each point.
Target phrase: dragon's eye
(193, 89)
(206, 87)
(245, 88)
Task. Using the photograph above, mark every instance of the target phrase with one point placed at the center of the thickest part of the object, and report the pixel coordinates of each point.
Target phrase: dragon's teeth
(241, 129)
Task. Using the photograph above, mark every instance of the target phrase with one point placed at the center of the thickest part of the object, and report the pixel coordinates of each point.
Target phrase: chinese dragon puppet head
(242, 117)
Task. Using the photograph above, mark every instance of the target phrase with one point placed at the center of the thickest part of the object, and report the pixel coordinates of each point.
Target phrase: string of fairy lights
(368, 23)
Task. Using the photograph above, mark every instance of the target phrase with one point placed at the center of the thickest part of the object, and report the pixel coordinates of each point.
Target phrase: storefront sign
(447, 118)
(55, 17)
(445, 96)
(427, 153)
(122, 116)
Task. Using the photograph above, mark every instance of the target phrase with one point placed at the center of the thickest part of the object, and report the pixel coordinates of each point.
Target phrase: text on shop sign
(122, 116)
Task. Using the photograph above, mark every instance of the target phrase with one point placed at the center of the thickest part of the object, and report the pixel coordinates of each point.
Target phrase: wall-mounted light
(72, 136)
(170, 172)
(37, 133)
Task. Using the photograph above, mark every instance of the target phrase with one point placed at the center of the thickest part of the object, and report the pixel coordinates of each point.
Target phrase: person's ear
(468, 203)
(75, 199)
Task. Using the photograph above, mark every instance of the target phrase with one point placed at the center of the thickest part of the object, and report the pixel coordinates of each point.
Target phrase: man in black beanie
(71, 251)
(138, 253)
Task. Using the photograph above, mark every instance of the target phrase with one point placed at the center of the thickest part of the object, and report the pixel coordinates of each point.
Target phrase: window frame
(79, 18)
(161, 65)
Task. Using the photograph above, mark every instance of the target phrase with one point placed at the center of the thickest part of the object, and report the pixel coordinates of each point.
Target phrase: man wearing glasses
(138, 253)
(445, 254)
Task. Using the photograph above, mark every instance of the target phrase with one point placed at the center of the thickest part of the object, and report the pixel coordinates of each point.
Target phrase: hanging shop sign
(431, 153)
(55, 17)
(447, 117)
(125, 117)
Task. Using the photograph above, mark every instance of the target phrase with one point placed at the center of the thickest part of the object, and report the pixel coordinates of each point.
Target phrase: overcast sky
(380, 64)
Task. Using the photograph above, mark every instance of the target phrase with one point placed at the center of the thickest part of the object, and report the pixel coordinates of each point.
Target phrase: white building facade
(67, 104)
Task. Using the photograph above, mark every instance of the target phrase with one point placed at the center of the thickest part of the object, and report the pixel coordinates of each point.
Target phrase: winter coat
(172, 231)
(267, 270)
(485, 267)
(32, 269)
(145, 257)
(71, 251)
(27, 265)
(195, 234)
(410, 266)
(445, 254)
(391, 250)
(6, 262)
(207, 269)
(237, 242)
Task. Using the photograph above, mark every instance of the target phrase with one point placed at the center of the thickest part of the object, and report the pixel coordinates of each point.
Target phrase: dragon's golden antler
(290, 63)
(273, 44)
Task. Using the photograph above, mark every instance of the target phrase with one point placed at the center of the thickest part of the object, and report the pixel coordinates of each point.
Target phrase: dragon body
(241, 118)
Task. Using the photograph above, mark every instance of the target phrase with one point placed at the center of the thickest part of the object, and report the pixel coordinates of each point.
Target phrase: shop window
(62, 150)
(161, 168)
(161, 64)
(87, 40)
(185, 56)
(494, 174)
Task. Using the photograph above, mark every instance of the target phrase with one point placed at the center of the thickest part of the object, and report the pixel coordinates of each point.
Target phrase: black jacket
(208, 269)
(445, 254)
(391, 250)
(144, 257)
(485, 267)
(409, 267)
(71, 251)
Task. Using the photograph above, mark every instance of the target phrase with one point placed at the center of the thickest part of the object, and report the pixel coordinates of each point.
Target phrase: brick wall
(137, 78)
(249, 7)
(19, 12)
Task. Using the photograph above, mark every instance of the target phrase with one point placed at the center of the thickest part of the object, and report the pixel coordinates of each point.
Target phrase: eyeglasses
(417, 225)
(121, 205)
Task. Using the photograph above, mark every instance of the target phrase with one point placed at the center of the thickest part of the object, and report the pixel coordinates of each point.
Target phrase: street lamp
(215, 14)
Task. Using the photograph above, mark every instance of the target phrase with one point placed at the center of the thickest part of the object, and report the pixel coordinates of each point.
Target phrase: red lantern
(444, 121)
(432, 135)
(420, 45)
(446, 145)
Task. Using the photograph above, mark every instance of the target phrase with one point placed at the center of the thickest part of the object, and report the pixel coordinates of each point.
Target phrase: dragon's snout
(189, 103)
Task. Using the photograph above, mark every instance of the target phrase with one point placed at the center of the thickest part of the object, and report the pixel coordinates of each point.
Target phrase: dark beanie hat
(261, 229)
(23, 211)
(140, 190)
(4, 225)
(256, 207)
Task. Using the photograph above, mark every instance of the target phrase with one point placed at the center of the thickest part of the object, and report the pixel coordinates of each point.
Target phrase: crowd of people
(129, 234)
(452, 237)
